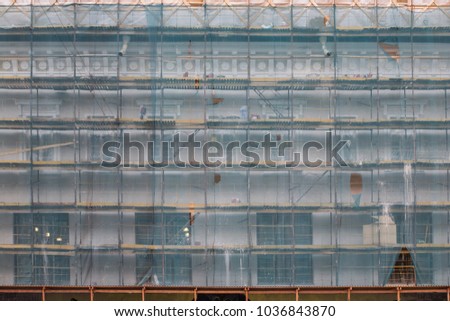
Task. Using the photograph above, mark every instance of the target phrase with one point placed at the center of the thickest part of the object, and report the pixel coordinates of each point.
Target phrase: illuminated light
(187, 234)
(59, 239)
(186, 229)
(47, 234)
(36, 229)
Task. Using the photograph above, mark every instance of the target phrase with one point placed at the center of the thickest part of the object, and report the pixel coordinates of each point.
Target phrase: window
(39, 107)
(424, 268)
(423, 228)
(283, 228)
(162, 228)
(41, 228)
(284, 269)
(32, 269)
(159, 269)
(418, 229)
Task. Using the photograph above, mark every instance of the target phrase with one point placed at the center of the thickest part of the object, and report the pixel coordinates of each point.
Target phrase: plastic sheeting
(226, 75)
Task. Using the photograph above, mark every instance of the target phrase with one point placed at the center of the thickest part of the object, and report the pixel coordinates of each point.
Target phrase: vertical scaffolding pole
(250, 259)
(31, 140)
(334, 185)
(118, 174)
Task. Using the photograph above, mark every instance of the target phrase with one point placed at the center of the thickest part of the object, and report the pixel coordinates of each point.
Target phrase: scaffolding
(76, 75)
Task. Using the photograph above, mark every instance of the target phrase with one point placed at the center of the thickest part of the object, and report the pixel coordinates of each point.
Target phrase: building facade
(259, 79)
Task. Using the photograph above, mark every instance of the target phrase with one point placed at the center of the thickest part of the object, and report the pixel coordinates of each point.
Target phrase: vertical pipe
(119, 131)
(290, 139)
(206, 38)
(448, 239)
(248, 176)
(446, 105)
(377, 106)
(332, 170)
(31, 138)
(121, 221)
(77, 158)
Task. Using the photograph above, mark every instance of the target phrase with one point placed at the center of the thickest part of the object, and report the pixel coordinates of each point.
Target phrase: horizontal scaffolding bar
(71, 250)
(415, 5)
(142, 83)
(141, 34)
(344, 208)
(235, 124)
(362, 166)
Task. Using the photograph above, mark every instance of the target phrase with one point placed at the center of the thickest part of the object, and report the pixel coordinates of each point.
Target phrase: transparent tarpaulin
(76, 76)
